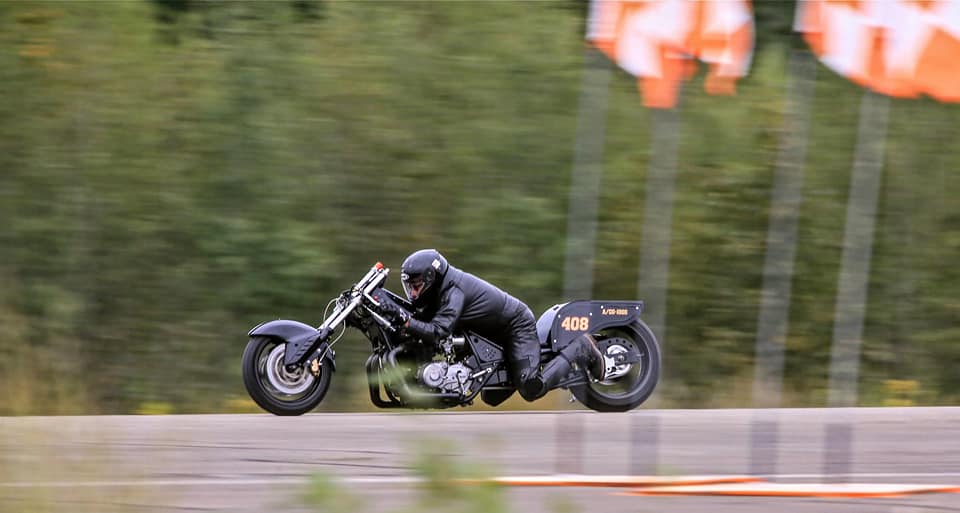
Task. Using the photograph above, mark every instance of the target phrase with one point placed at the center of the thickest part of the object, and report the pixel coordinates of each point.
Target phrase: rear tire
(298, 392)
(625, 392)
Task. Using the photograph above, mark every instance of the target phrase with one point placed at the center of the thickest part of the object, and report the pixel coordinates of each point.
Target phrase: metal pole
(658, 217)
(857, 250)
(586, 177)
(854, 275)
(655, 266)
(582, 223)
(644, 453)
(786, 197)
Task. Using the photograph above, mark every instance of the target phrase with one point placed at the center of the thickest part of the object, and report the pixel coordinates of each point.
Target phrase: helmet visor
(413, 287)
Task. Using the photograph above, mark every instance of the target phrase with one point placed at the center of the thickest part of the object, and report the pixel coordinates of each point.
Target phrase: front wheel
(276, 388)
(626, 385)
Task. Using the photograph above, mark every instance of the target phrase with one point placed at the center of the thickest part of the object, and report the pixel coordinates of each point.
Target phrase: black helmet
(420, 271)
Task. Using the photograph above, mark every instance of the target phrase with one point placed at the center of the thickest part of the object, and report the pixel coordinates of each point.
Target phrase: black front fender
(303, 341)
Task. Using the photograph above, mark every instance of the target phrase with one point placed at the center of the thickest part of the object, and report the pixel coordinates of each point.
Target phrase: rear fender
(545, 323)
(304, 342)
(563, 323)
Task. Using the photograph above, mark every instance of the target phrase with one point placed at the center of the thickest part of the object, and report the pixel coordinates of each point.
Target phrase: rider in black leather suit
(446, 298)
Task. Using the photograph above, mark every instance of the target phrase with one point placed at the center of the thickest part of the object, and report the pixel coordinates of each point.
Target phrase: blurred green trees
(173, 172)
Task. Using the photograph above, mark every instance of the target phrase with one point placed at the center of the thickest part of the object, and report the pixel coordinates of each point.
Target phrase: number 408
(575, 323)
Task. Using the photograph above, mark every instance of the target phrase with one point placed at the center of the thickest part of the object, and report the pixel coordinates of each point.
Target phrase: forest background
(173, 172)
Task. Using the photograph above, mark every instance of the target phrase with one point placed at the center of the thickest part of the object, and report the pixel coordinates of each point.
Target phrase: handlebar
(374, 277)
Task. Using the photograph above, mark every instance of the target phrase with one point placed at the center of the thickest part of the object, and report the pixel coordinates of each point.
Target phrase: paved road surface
(260, 463)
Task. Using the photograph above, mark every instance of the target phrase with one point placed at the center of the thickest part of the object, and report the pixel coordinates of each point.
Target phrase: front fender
(301, 339)
(282, 328)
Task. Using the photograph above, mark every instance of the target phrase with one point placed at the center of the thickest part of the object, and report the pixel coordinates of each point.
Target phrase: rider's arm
(443, 322)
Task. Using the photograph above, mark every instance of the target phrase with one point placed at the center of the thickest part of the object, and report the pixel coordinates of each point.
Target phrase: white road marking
(874, 475)
(404, 480)
(200, 482)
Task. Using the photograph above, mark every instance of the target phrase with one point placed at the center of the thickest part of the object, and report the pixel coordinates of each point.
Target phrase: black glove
(396, 314)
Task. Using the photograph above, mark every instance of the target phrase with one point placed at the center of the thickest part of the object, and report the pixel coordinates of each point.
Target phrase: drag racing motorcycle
(288, 365)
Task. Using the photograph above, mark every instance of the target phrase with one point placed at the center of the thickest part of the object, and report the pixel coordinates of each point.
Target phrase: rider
(446, 298)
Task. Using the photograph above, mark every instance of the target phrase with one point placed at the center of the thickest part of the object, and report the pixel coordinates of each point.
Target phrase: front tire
(275, 388)
(633, 383)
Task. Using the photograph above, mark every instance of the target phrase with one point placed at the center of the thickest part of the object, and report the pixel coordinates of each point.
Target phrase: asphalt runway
(260, 463)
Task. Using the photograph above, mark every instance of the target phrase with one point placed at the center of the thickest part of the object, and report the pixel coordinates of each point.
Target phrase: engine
(445, 377)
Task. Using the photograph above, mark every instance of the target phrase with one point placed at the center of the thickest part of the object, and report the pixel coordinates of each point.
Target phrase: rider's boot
(547, 377)
(582, 351)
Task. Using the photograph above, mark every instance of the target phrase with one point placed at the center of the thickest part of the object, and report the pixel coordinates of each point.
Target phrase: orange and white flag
(658, 40)
(901, 48)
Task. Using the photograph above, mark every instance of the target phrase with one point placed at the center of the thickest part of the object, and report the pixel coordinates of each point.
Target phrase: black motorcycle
(287, 365)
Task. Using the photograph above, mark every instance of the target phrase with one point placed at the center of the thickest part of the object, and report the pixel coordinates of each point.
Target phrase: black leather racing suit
(465, 302)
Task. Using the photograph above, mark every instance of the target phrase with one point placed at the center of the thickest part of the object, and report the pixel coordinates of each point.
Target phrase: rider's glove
(400, 317)
(397, 315)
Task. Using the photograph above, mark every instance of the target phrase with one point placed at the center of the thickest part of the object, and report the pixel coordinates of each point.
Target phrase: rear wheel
(276, 388)
(627, 385)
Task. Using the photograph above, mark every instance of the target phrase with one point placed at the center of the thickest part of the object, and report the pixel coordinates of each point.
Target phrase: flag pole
(851, 301)
(773, 319)
(585, 181)
(586, 176)
(658, 217)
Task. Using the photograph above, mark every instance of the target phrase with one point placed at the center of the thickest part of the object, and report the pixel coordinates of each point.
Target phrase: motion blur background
(173, 172)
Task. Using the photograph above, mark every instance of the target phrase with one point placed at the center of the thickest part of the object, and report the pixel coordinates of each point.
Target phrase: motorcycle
(288, 365)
